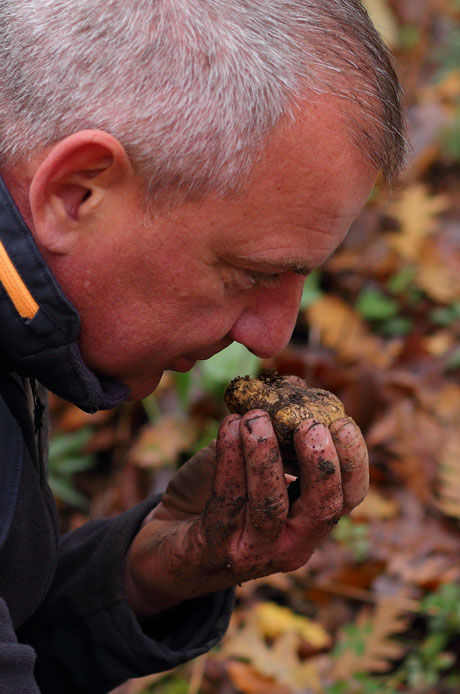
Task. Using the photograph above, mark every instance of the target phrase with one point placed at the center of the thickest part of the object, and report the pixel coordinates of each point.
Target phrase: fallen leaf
(342, 329)
(161, 444)
(375, 507)
(439, 270)
(369, 646)
(449, 475)
(439, 343)
(416, 210)
(273, 621)
(248, 680)
(279, 660)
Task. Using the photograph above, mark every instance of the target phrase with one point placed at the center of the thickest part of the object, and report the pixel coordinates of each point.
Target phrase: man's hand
(225, 516)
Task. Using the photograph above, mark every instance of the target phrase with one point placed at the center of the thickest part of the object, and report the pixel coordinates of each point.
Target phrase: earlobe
(70, 185)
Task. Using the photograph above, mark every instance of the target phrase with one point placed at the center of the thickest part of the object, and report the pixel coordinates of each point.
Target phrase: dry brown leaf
(446, 404)
(161, 444)
(279, 661)
(378, 649)
(249, 681)
(342, 329)
(72, 418)
(439, 271)
(449, 475)
(416, 211)
(413, 437)
(420, 570)
(375, 507)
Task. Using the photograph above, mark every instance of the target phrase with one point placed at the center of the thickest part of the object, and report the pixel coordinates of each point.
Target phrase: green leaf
(63, 489)
(311, 290)
(233, 361)
(183, 383)
(209, 434)
(409, 36)
(152, 408)
(399, 283)
(373, 305)
(65, 445)
(448, 56)
(453, 362)
(72, 465)
(447, 315)
(398, 326)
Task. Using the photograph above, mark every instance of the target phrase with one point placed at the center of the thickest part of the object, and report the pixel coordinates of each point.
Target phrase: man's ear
(73, 183)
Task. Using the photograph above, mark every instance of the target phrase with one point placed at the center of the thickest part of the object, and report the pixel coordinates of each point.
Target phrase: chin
(140, 389)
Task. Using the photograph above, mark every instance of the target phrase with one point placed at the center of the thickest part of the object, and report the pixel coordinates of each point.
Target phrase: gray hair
(191, 88)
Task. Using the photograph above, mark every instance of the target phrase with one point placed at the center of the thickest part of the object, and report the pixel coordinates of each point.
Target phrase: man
(171, 172)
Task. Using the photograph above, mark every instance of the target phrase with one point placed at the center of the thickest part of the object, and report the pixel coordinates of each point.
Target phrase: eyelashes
(248, 279)
(243, 279)
(263, 279)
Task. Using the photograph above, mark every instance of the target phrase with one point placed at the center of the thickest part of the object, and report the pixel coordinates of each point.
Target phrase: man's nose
(266, 324)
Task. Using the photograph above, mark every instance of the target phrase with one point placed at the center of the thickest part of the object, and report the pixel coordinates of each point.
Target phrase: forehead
(307, 186)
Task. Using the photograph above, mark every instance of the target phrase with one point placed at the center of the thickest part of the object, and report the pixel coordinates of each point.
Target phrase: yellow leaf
(343, 330)
(384, 20)
(375, 507)
(416, 211)
(274, 621)
(439, 343)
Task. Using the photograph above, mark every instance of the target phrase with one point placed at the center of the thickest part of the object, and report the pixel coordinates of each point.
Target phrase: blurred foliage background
(377, 608)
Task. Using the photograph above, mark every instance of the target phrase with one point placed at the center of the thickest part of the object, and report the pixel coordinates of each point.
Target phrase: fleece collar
(39, 326)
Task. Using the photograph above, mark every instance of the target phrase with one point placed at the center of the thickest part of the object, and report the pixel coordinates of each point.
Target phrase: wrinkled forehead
(310, 168)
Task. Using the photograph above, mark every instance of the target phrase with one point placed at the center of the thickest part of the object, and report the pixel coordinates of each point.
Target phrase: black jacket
(65, 625)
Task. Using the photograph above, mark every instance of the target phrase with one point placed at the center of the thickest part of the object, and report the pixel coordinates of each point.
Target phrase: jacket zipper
(38, 425)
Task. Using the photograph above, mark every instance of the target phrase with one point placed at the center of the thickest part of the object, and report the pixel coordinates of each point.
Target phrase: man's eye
(264, 279)
(248, 279)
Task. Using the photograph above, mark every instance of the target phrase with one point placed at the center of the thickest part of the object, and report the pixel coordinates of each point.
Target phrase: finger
(268, 502)
(321, 499)
(296, 381)
(189, 489)
(228, 495)
(354, 462)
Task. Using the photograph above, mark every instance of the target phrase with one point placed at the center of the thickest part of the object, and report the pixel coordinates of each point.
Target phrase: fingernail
(257, 427)
(289, 478)
(317, 436)
(346, 435)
